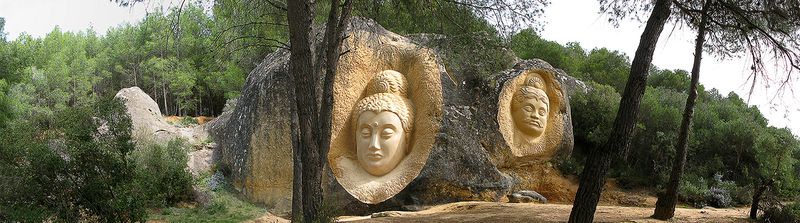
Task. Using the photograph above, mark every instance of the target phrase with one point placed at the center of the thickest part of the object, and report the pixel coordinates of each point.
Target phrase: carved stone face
(380, 142)
(530, 116)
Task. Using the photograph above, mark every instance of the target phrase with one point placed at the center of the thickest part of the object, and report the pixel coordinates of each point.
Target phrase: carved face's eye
(366, 132)
(542, 111)
(528, 108)
(387, 132)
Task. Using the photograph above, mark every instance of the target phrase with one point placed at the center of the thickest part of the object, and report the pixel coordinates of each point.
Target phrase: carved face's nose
(374, 145)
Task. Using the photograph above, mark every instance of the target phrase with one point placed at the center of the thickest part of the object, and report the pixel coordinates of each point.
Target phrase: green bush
(72, 170)
(187, 121)
(699, 192)
(693, 191)
(222, 203)
(740, 195)
(568, 165)
(593, 114)
(161, 173)
(788, 213)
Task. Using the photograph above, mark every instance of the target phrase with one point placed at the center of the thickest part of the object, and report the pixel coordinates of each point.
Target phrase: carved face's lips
(536, 123)
(374, 156)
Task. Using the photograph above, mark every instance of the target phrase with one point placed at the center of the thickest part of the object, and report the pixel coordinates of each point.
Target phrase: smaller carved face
(380, 142)
(530, 116)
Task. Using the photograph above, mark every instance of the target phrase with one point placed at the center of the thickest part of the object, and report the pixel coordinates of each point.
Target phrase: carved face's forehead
(383, 118)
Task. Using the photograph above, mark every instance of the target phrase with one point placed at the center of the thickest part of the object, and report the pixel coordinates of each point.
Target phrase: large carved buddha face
(529, 111)
(380, 141)
(382, 124)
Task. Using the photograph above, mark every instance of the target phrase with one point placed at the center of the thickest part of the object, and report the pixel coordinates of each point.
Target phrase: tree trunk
(297, 169)
(665, 206)
(301, 65)
(599, 160)
(759, 190)
(164, 88)
(334, 34)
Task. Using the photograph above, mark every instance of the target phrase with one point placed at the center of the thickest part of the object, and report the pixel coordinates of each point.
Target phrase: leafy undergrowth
(222, 205)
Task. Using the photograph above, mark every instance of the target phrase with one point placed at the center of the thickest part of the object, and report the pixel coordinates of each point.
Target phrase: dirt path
(529, 212)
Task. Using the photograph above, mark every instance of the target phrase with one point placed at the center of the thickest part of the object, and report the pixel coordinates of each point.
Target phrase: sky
(565, 21)
(580, 21)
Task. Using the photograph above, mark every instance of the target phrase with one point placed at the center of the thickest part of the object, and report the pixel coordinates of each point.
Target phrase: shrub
(73, 169)
(698, 192)
(568, 165)
(161, 173)
(740, 195)
(593, 114)
(188, 121)
(718, 197)
(778, 213)
(693, 191)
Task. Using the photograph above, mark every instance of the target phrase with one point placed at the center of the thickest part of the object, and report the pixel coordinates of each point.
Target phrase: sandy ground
(530, 212)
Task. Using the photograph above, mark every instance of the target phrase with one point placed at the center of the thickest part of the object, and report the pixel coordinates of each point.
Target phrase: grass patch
(224, 206)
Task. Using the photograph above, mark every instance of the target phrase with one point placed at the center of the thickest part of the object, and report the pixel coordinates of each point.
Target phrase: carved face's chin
(534, 131)
(531, 131)
(376, 168)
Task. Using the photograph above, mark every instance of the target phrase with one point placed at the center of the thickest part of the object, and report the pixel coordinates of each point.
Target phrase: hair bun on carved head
(388, 81)
(387, 92)
(535, 81)
(533, 88)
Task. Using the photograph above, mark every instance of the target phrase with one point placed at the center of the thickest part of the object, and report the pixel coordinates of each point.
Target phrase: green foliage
(692, 190)
(224, 205)
(649, 157)
(2, 29)
(6, 113)
(568, 165)
(593, 114)
(599, 65)
(727, 136)
(475, 57)
(187, 121)
(75, 170)
(607, 67)
(161, 173)
(527, 44)
(699, 192)
(189, 63)
(676, 80)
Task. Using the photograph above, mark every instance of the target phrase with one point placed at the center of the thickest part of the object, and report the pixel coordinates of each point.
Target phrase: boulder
(146, 118)
(463, 144)
(254, 136)
(526, 196)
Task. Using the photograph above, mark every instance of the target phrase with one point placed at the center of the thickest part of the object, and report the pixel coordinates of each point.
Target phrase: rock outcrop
(146, 118)
(149, 126)
(254, 138)
(468, 157)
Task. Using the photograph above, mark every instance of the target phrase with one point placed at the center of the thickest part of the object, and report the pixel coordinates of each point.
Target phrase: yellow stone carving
(529, 115)
(387, 106)
(382, 123)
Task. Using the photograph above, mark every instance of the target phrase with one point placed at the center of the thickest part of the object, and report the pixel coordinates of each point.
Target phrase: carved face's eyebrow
(390, 125)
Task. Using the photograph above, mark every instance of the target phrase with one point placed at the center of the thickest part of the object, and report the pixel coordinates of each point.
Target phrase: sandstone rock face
(146, 117)
(457, 148)
(254, 139)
